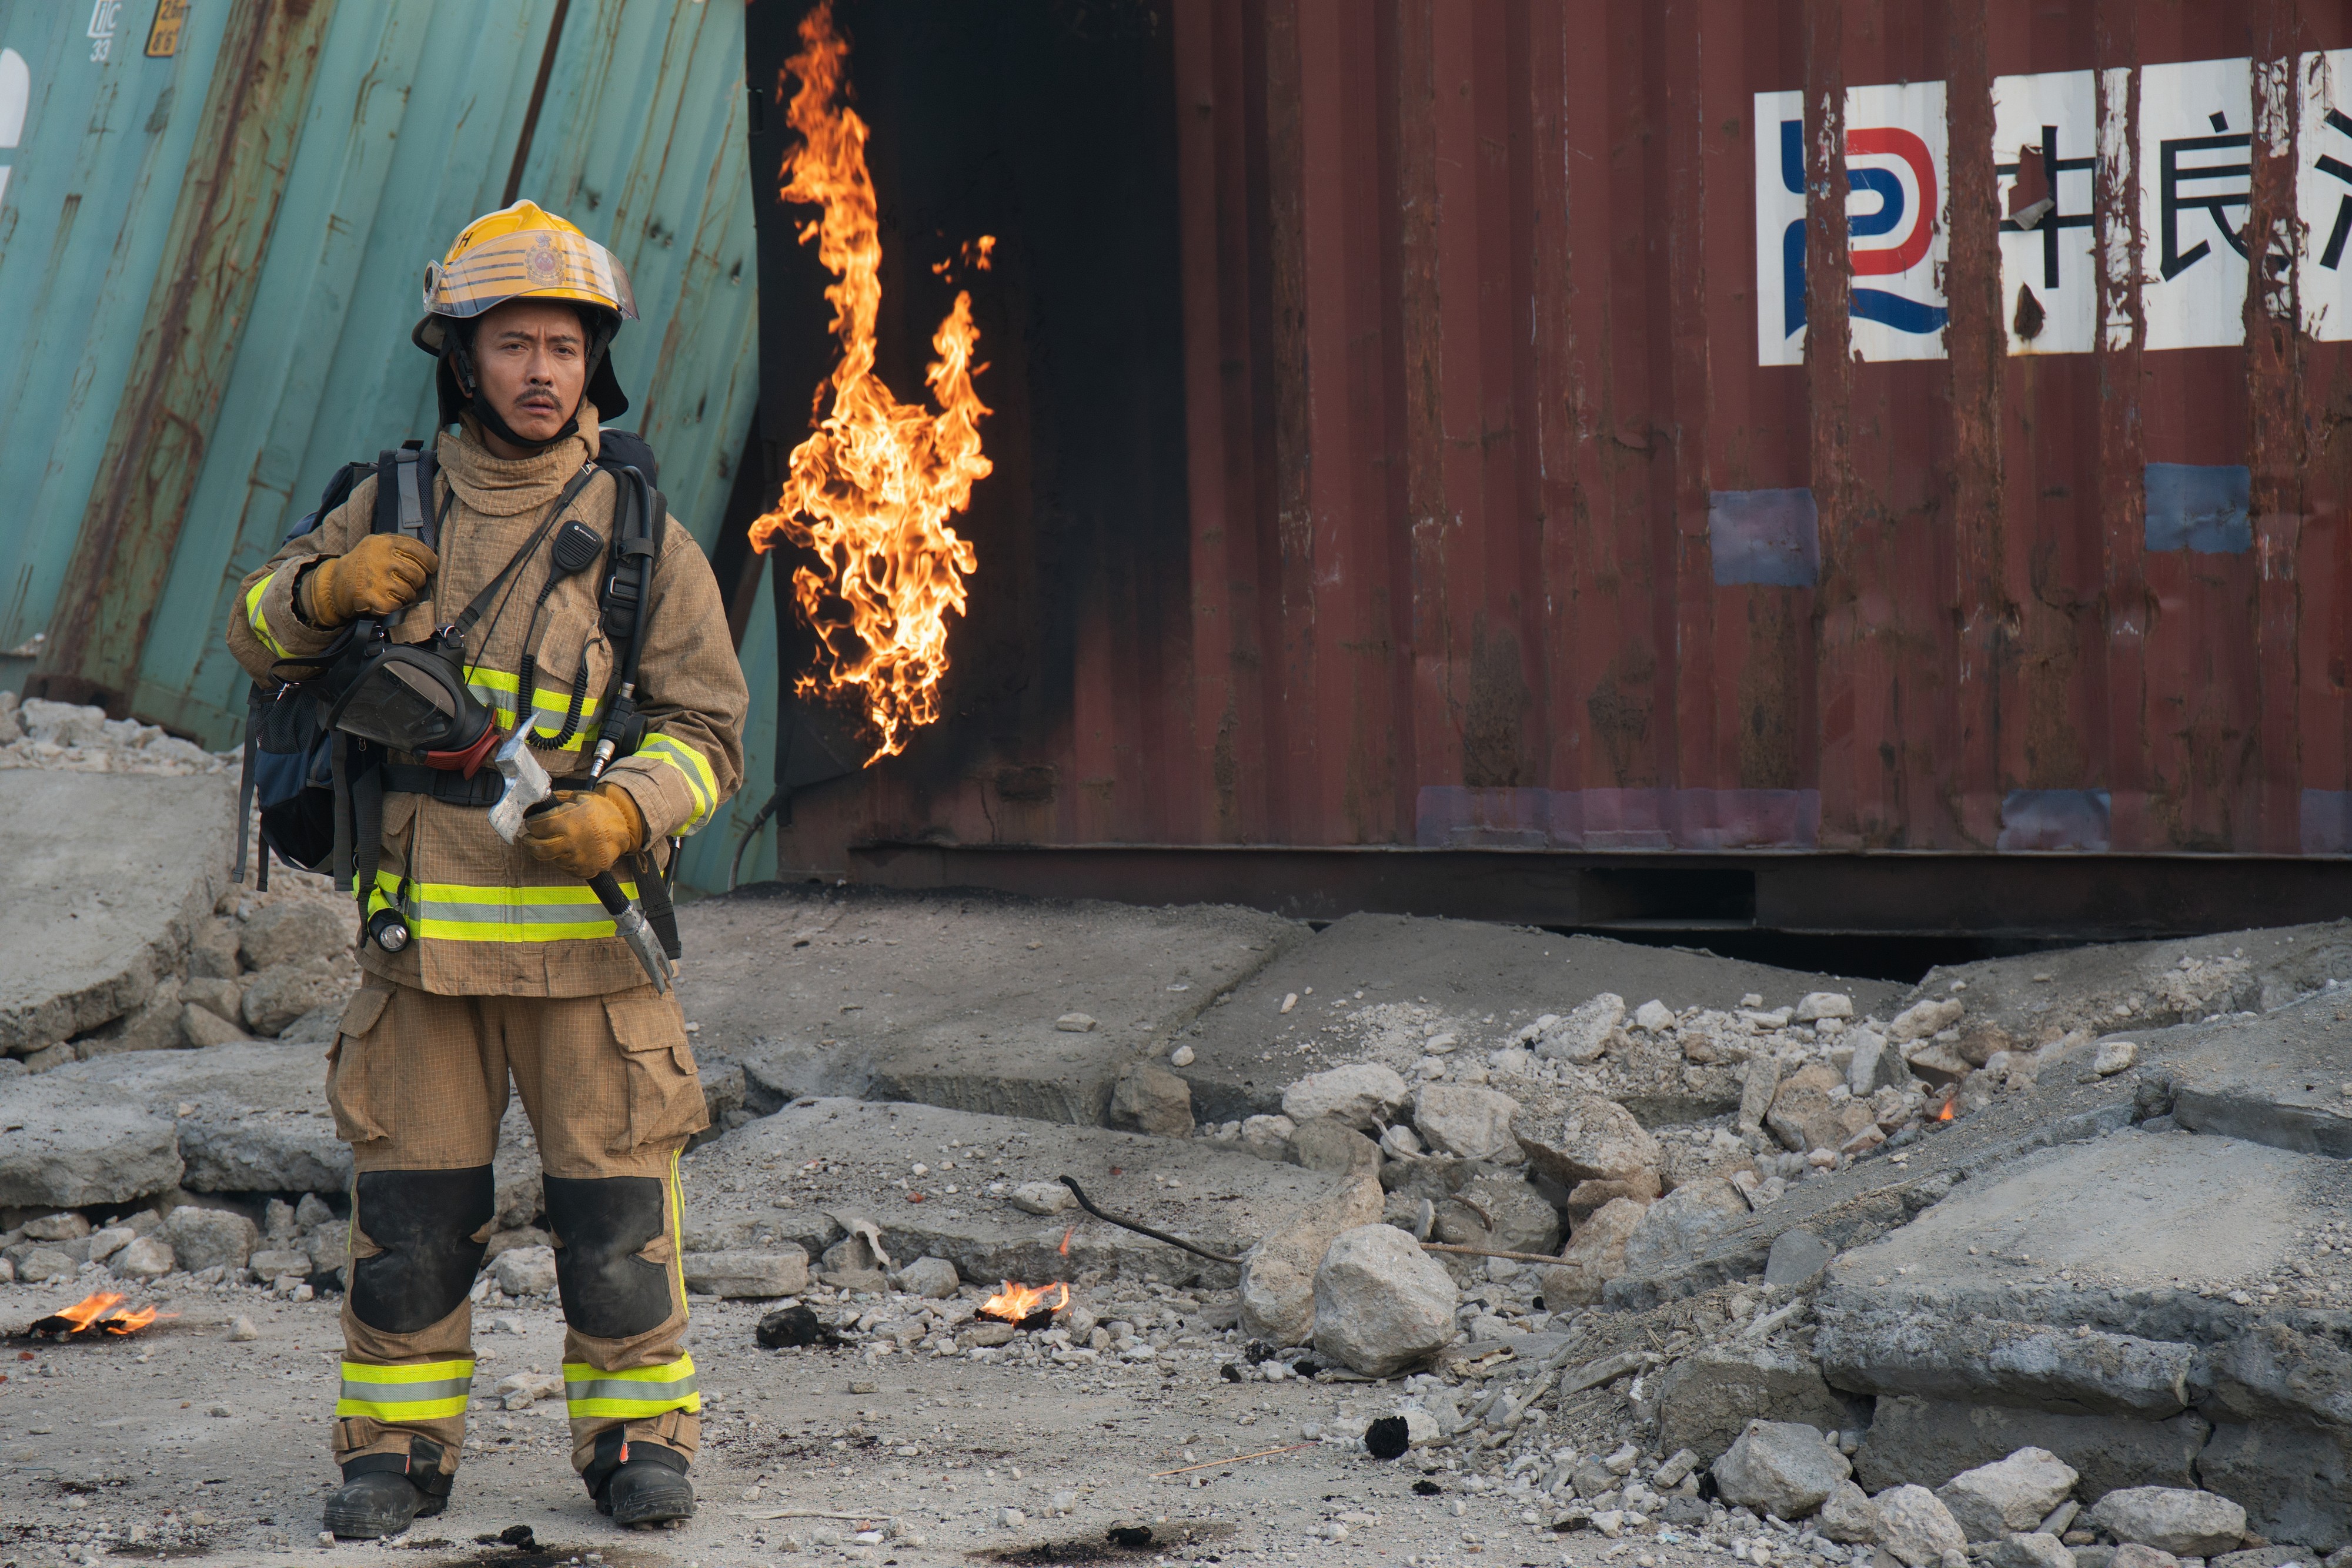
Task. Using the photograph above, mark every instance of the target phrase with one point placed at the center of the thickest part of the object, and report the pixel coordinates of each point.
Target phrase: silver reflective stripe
(589, 908)
(627, 1388)
(407, 1393)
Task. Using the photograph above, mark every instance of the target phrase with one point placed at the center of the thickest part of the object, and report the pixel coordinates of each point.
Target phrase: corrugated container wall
(1728, 429)
(212, 232)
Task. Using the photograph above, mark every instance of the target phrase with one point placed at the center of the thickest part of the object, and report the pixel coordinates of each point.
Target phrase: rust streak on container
(2275, 455)
(2121, 698)
(1828, 371)
(1977, 342)
(212, 261)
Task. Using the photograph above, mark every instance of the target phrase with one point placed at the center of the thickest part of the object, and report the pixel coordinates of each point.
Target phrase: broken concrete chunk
(1758, 1084)
(1041, 1198)
(1804, 1117)
(748, 1275)
(1475, 1123)
(1848, 1515)
(65, 1226)
(201, 1026)
(1586, 1198)
(1324, 1145)
(1381, 1303)
(148, 1257)
(280, 996)
(2114, 1056)
(934, 1278)
(1915, 1526)
(1797, 1256)
(1148, 1098)
(1815, 1006)
(1595, 1139)
(2185, 1523)
(2027, 1549)
(1922, 1020)
(1876, 1065)
(1595, 1255)
(1366, 1095)
(1708, 1398)
(1278, 1282)
(1074, 1023)
(208, 1238)
(1779, 1467)
(1583, 1034)
(527, 1270)
(2012, 1495)
(2131, 1555)
(1501, 1212)
(1267, 1137)
(292, 930)
(1938, 1063)
(1654, 1016)
(1672, 1230)
(279, 1263)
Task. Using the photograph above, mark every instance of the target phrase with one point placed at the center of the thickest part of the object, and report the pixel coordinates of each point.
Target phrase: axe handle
(607, 888)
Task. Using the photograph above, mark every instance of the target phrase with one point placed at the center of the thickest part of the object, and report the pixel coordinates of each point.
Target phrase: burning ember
(871, 490)
(1026, 1305)
(102, 1310)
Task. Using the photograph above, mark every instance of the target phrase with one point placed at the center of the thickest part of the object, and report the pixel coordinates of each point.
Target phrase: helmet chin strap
(461, 363)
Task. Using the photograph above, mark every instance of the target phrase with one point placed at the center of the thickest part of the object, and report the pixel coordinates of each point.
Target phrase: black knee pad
(426, 1222)
(601, 1224)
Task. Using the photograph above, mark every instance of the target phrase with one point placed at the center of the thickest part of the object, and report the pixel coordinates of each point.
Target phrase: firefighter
(505, 964)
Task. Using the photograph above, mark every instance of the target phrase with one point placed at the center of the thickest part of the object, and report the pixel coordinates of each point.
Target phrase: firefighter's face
(532, 356)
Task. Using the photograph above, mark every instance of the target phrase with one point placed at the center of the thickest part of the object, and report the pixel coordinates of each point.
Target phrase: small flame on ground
(1014, 1303)
(98, 1310)
(871, 489)
(1065, 1248)
(1946, 1113)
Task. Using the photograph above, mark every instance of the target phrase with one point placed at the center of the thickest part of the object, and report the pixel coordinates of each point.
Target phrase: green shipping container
(215, 217)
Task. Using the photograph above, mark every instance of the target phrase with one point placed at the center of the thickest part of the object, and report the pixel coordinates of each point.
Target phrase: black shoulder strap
(403, 495)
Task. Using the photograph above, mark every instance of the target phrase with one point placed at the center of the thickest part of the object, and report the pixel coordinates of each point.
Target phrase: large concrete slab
(71, 1146)
(2129, 1281)
(2284, 1079)
(951, 998)
(834, 1157)
(252, 1117)
(102, 878)
(2117, 985)
(1376, 987)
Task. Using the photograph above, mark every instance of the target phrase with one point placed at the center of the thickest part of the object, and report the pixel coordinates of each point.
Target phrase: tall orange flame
(871, 490)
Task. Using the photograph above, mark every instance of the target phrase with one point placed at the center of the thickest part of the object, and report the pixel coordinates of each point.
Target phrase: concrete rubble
(2042, 1263)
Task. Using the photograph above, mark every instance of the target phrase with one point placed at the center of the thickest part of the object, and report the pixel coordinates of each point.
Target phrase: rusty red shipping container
(1837, 454)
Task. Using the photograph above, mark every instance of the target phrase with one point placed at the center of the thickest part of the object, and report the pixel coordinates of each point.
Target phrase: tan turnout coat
(488, 918)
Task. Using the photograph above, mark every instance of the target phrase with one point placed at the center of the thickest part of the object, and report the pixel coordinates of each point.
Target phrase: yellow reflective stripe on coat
(426, 1391)
(637, 1394)
(497, 690)
(456, 912)
(700, 779)
(254, 617)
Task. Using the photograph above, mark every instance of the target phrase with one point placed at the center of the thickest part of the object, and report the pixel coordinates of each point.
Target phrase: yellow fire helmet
(523, 251)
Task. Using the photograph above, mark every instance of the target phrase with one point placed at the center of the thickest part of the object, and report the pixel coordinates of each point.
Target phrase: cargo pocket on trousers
(664, 1092)
(347, 1068)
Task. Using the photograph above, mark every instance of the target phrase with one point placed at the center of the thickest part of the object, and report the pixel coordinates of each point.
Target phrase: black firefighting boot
(382, 1494)
(639, 1482)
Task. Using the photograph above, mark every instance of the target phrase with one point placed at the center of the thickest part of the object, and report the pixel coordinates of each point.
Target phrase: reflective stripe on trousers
(637, 1394)
(422, 1391)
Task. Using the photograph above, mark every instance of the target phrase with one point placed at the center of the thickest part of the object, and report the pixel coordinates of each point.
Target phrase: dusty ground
(113, 1451)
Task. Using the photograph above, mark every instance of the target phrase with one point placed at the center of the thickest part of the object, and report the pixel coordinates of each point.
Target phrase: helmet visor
(542, 262)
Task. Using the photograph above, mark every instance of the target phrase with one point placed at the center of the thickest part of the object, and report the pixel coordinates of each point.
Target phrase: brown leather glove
(586, 830)
(380, 574)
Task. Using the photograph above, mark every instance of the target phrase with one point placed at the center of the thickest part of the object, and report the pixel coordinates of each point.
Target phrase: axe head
(527, 782)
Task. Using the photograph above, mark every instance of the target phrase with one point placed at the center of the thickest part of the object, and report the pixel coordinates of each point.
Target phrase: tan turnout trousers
(419, 1083)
